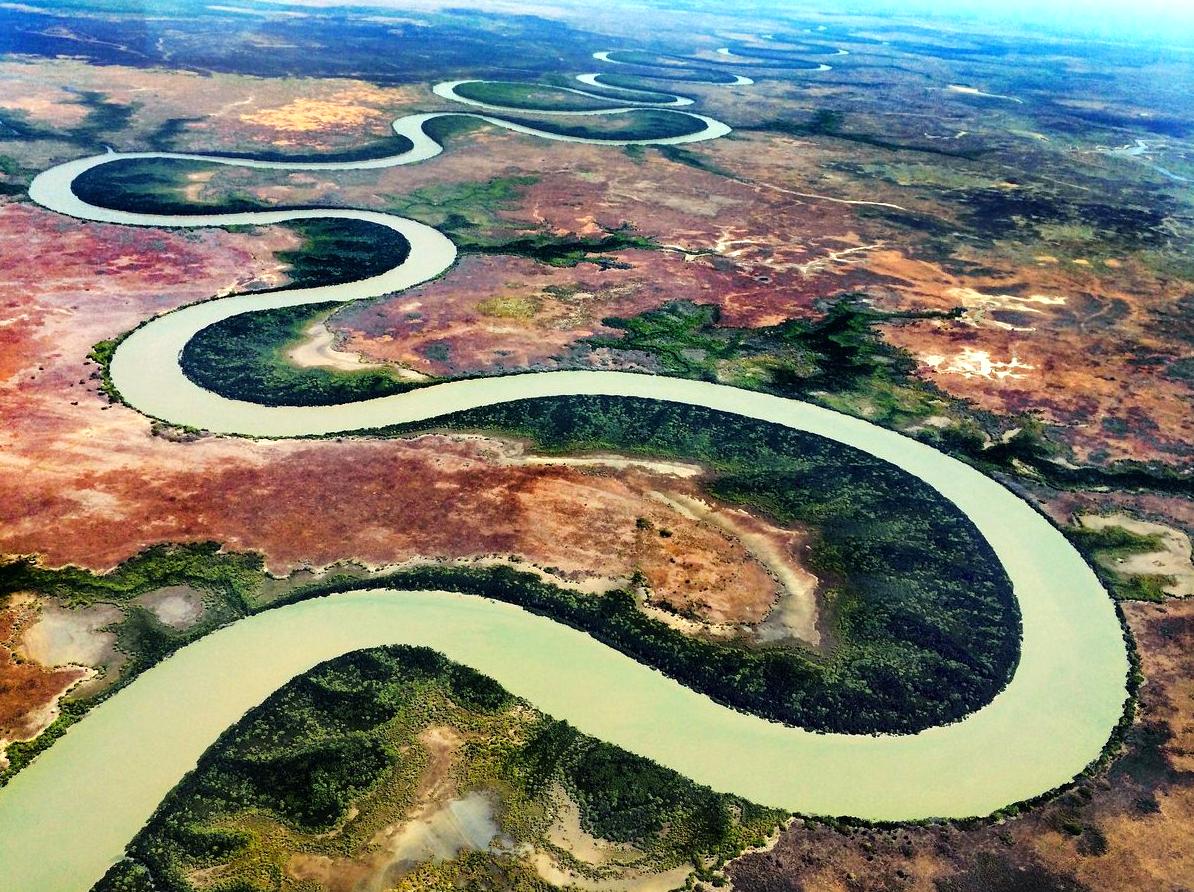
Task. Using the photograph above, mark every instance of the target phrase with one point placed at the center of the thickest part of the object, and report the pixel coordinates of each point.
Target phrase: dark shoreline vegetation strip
(395, 144)
(230, 579)
(636, 125)
(784, 50)
(335, 250)
(515, 95)
(630, 75)
(333, 736)
(772, 60)
(641, 95)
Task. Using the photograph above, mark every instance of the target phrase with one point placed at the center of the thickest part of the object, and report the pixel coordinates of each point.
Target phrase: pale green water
(68, 816)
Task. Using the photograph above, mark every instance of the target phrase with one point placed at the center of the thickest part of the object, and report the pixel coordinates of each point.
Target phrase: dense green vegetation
(338, 250)
(202, 565)
(348, 734)
(569, 250)
(665, 66)
(653, 59)
(244, 357)
(613, 95)
(783, 48)
(686, 156)
(840, 354)
(640, 77)
(383, 148)
(831, 123)
(153, 186)
(460, 208)
(531, 97)
(11, 168)
(779, 59)
(20, 753)
(925, 624)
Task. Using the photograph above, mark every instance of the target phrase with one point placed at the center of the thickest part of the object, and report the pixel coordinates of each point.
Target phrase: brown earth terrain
(1025, 340)
(29, 691)
(1086, 355)
(226, 110)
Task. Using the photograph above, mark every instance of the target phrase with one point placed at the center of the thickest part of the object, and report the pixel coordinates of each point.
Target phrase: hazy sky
(1164, 19)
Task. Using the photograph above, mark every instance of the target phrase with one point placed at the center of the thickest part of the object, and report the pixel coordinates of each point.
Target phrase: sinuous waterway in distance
(67, 817)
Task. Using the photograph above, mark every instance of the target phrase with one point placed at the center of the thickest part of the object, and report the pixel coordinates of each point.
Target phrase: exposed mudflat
(320, 350)
(177, 606)
(63, 635)
(1172, 559)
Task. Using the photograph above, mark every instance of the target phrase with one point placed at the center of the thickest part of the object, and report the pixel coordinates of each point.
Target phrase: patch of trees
(567, 250)
(926, 624)
(837, 352)
(244, 357)
(629, 799)
(336, 250)
(203, 565)
(331, 735)
(831, 123)
(152, 186)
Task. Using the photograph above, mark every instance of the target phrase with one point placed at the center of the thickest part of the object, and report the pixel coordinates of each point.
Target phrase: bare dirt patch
(63, 636)
(321, 350)
(177, 606)
(1172, 559)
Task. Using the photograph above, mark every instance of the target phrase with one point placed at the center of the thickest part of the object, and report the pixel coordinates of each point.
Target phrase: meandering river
(67, 817)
